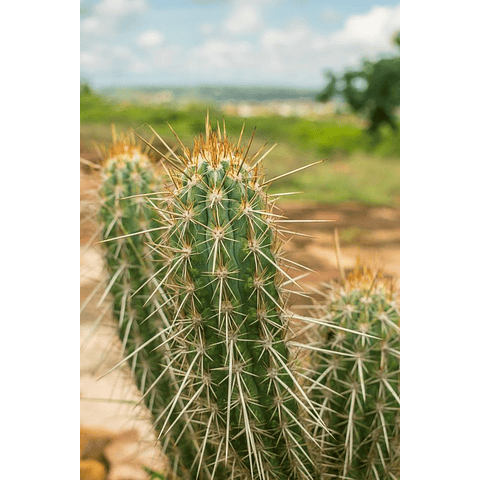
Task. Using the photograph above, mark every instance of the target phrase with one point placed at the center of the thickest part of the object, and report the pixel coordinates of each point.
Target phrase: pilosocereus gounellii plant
(222, 270)
(199, 286)
(129, 228)
(359, 379)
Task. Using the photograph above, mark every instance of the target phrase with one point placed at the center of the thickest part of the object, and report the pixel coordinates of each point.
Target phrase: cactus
(358, 379)
(129, 227)
(222, 271)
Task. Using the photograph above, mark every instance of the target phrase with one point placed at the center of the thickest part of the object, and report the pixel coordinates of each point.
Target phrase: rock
(124, 448)
(92, 470)
(124, 471)
(127, 456)
(93, 442)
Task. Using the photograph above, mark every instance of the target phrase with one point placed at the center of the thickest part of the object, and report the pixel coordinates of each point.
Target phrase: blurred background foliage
(373, 92)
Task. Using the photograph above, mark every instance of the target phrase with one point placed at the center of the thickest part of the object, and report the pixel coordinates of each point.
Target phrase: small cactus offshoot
(359, 379)
(129, 228)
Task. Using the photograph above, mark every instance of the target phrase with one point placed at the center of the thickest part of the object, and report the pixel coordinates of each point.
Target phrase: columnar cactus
(222, 271)
(129, 228)
(358, 379)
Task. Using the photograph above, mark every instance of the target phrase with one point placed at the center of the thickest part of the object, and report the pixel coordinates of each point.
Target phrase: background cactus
(129, 228)
(222, 271)
(359, 379)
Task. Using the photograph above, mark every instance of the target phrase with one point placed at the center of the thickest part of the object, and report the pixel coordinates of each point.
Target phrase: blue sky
(233, 42)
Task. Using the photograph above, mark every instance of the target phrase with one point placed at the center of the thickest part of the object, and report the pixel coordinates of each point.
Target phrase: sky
(230, 42)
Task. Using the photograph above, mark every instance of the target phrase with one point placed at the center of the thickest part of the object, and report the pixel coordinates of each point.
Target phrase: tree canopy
(373, 91)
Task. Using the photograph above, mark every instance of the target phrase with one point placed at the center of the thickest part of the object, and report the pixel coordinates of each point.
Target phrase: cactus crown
(359, 392)
(363, 278)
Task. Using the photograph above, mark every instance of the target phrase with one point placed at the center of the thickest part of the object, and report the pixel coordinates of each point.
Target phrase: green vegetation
(153, 474)
(351, 235)
(371, 174)
(214, 93)
(365, 180)
(339, 136)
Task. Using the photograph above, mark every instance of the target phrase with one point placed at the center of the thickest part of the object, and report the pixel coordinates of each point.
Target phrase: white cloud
(120, 8)
(246, 16)
(373, 28)
(91, 61)
(150, 38)
(108, 15)
(91, 25)
(103, 59)
(222, 55)
(289, 39)
(299, 54)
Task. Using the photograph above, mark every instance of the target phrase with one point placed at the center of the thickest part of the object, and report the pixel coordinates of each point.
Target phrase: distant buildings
(163, 96)
(284, 108)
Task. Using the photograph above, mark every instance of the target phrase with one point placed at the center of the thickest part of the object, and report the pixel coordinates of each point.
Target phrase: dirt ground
(368, 234)
(371, 234)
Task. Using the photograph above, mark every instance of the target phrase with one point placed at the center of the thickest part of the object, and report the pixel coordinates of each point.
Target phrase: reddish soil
(368, 234)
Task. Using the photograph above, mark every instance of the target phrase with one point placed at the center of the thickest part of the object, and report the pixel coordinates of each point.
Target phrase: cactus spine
(222, 271)
(129, 227)
(359, 379)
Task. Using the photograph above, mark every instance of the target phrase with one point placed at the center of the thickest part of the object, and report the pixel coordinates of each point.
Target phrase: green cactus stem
(223, 271)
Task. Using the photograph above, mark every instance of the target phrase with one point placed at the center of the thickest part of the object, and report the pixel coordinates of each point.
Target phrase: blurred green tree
(373, 92)
(85, 89)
